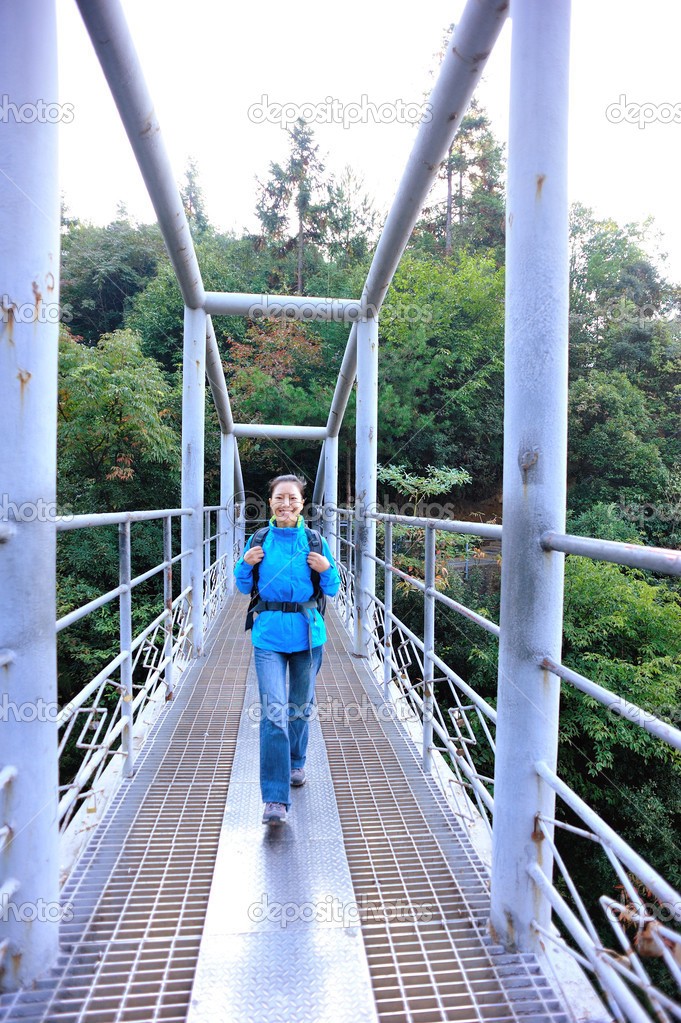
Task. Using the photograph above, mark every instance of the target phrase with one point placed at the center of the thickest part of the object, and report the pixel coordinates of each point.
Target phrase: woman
(286, 637)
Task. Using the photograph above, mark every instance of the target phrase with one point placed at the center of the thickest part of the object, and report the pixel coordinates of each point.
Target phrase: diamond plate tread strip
(281, 928)
(309, 975)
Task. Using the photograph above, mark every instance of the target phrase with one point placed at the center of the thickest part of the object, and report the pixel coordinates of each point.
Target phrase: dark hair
(298, 480)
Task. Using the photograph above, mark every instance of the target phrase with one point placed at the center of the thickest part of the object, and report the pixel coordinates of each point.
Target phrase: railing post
(365, 480)
(535, 445)
(330, 487)
(350, 584)
(428, 646)
(206, 560)
(226, 516)
(29, 315)
(193, 415)
(388, 602)
(125, 629)
(168, 604)
(241, 527)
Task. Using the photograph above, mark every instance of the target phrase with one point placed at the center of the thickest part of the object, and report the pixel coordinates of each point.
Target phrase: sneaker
(297, 776)
(275, 813)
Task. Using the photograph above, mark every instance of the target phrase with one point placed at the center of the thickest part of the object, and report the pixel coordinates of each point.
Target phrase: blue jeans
(284, 722)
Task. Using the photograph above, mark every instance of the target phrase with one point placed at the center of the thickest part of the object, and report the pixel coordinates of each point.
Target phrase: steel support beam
(286, 307)
(460, 72)
(428, 647)
(535, 454)
(29, 256)
(330, 489)
(365, 477)
(279, 430)
(226, 516)
(654, 559)
(108, 30)
(193, 416)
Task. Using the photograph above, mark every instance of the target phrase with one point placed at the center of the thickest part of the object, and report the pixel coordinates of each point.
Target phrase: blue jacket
(284, 575)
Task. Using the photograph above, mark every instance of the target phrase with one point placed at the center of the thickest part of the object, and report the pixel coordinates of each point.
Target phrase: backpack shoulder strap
(257, 541)
(314, 539)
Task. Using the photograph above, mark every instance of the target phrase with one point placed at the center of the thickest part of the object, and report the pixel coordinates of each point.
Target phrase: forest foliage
(440, 405)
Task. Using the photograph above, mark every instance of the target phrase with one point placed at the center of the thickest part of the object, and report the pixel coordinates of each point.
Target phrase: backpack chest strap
(286, 606)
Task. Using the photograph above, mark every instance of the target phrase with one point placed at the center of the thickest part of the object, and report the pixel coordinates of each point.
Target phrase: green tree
(193, 201)
(612, 451)
(298, 181)
(113, 422)
(102, 269)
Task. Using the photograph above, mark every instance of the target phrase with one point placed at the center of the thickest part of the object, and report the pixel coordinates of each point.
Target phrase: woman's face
(286, 503)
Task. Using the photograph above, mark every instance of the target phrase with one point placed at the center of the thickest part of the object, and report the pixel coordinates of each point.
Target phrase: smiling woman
(288, 570)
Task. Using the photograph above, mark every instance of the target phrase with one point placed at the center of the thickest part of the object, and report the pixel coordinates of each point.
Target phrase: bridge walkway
(370, 903)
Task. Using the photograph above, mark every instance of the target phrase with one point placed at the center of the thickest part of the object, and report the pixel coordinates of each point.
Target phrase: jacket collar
(287, 529)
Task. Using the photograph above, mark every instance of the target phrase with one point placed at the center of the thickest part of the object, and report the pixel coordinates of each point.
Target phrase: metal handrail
(614, 972)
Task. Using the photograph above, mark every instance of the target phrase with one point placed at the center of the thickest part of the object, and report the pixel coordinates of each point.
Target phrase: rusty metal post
(535, 451)
(29, 326)
(168, 603)
(125, 632)
(330, 489)
(365, 481)
(193, 416)
(227, 513)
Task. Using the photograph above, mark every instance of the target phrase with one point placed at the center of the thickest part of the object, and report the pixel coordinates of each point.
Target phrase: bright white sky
(206, 62)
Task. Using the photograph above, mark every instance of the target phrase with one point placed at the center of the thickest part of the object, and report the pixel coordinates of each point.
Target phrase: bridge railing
(99, 721)
(455, 721)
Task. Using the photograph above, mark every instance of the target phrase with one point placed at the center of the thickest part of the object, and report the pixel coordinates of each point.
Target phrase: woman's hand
(318, 562)
(254, 555)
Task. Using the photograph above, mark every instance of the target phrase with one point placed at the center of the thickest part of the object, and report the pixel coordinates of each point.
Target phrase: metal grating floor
(368, 821)
(405, 848)
(139, 891)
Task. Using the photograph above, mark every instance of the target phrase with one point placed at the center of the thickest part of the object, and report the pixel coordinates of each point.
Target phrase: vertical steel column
(388, 602)
(193, 415)
(350, 583)
(29, 315)
(365, 480)
(226, 516)
(336, 534)
(330, 488)
(428, 646)
(125, 629)
(241, 527)
(535, 447)
(168, 603)
(206, 559)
